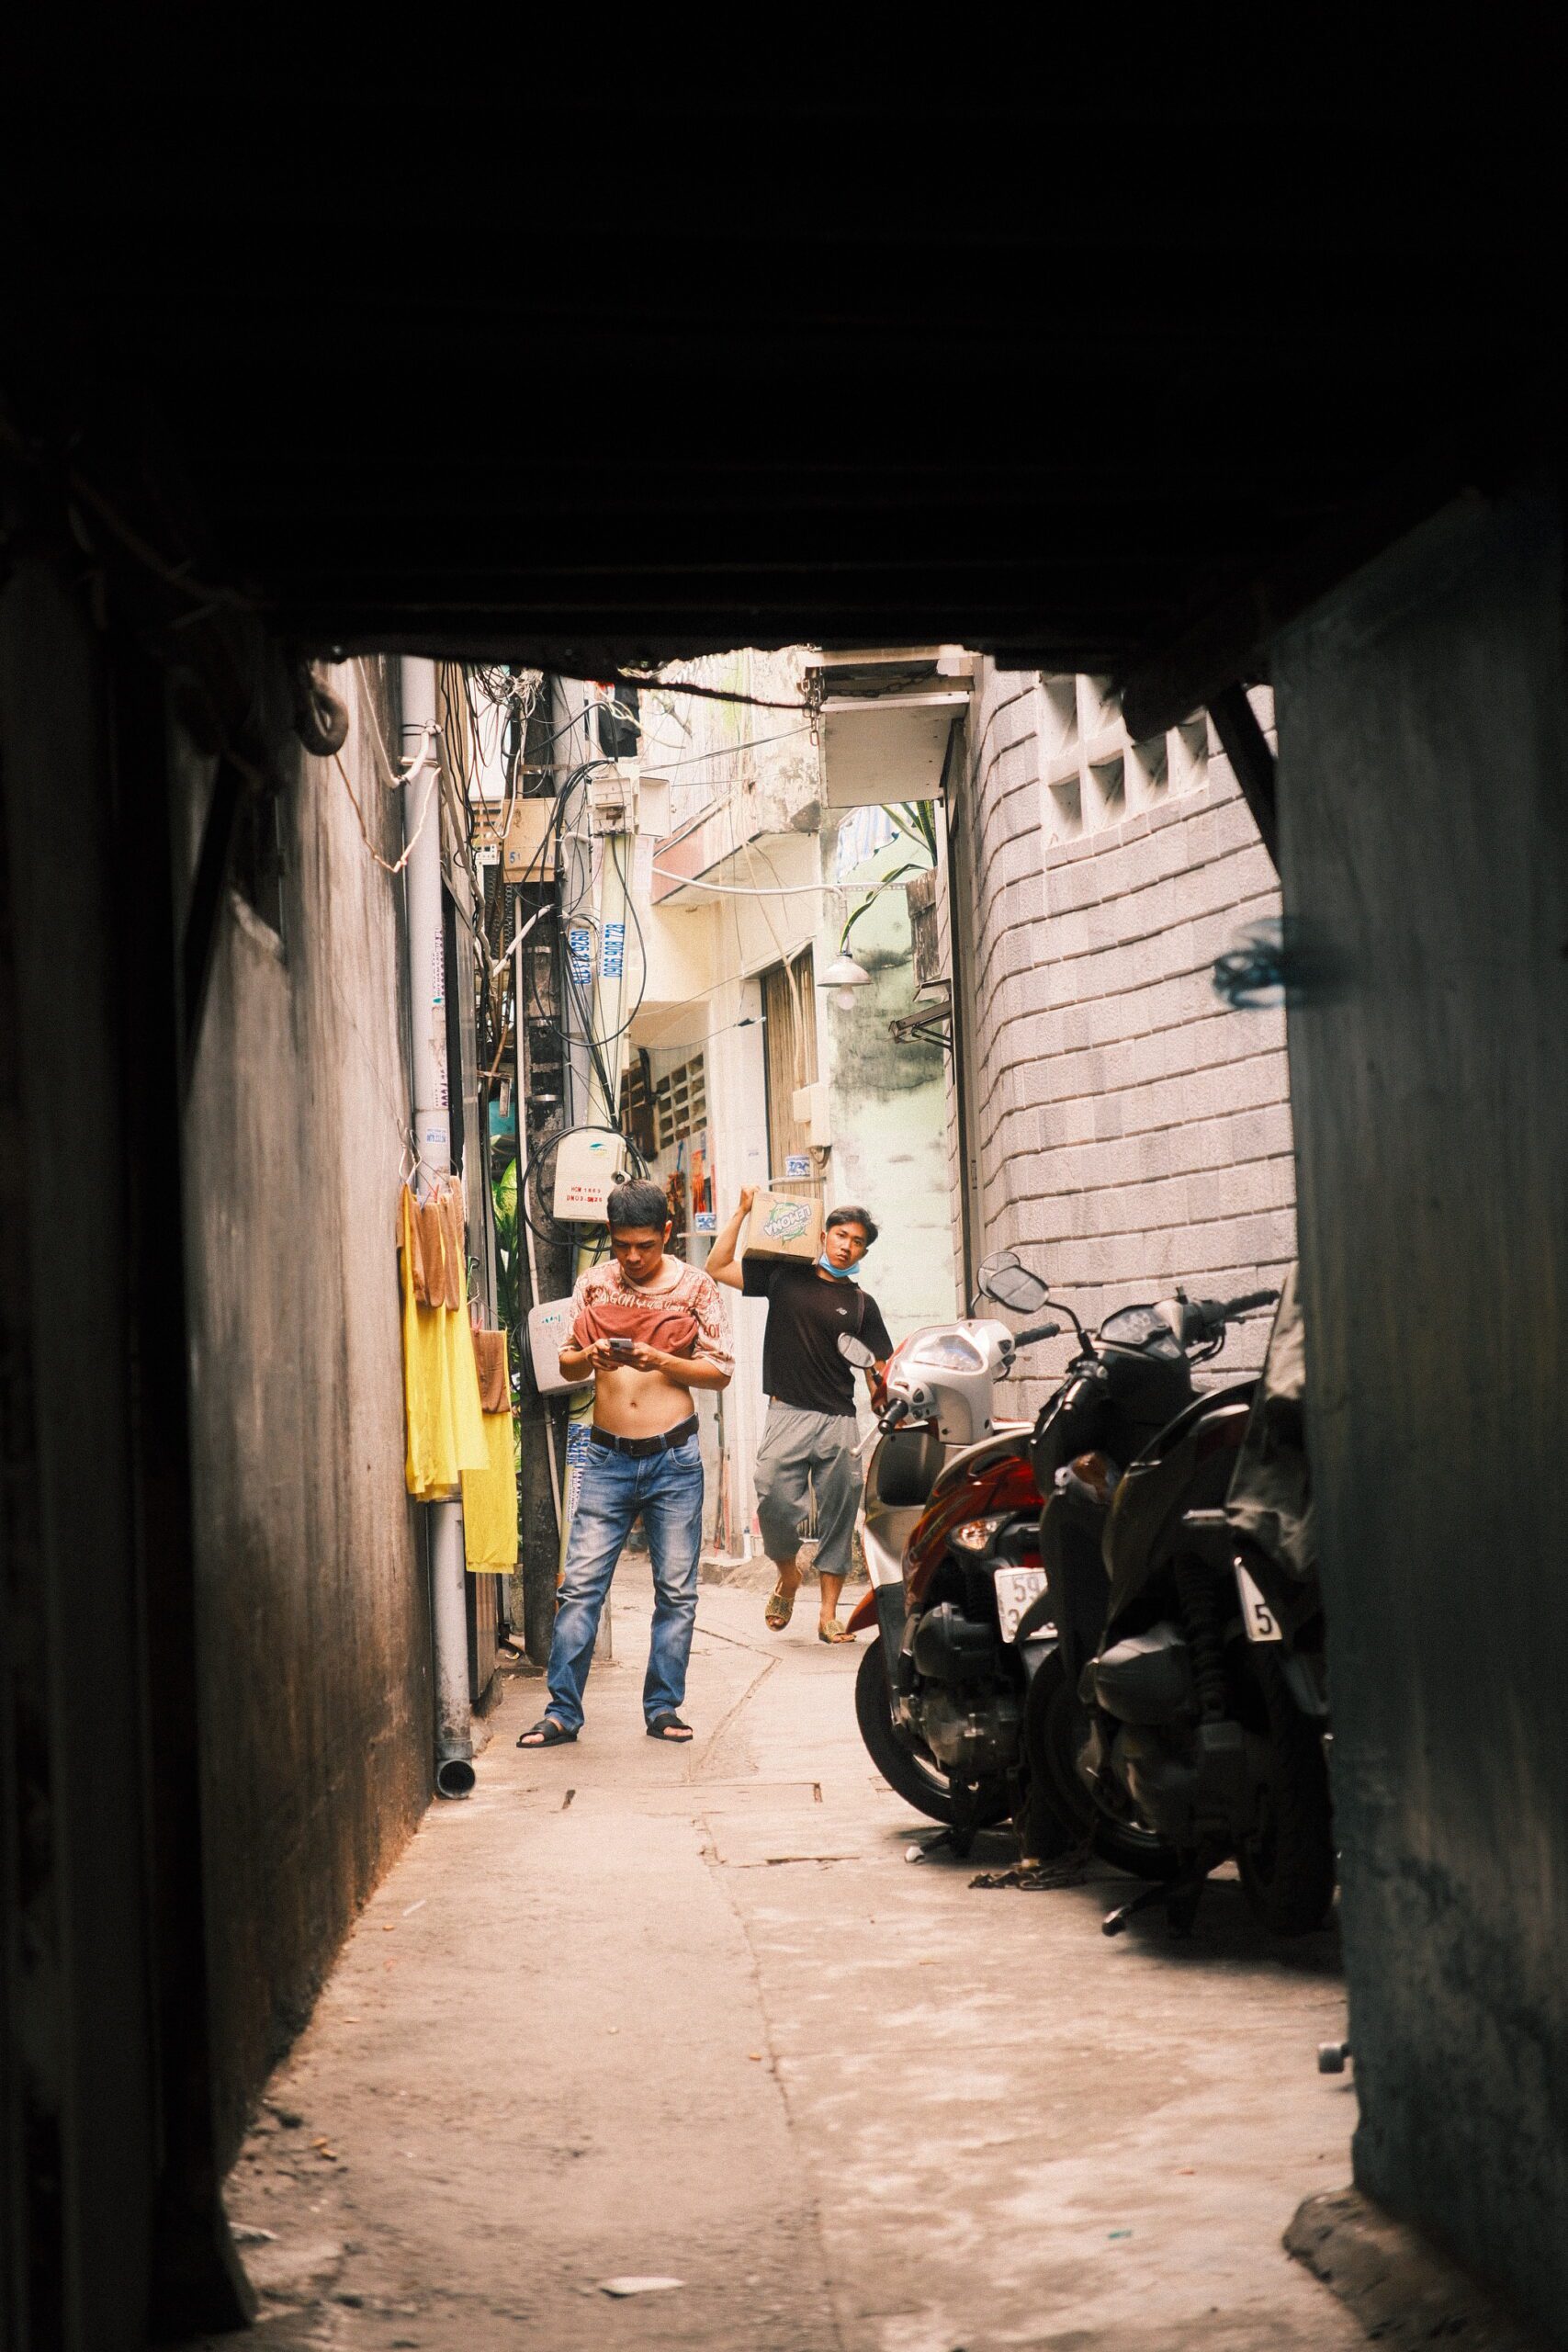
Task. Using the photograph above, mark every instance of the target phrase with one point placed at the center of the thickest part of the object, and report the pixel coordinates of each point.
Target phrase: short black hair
(641, 1201)
(850, 1215)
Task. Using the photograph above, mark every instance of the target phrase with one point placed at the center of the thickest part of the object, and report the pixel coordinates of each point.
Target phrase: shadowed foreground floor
(690, 2014)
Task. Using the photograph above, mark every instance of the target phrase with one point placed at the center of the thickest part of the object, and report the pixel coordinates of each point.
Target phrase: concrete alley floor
(634, 2010)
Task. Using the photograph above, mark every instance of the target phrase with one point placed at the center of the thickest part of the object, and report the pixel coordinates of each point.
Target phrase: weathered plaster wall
(314, 1606)
(767, 758)
(1128, 1130)
(888, 1099)
(746, 934)
(1425, 854)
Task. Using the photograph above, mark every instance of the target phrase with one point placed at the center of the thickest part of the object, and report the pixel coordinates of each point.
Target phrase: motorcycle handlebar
(1248, 1301)
(1035, 1332)
(885, 1424)
(1212, 1315)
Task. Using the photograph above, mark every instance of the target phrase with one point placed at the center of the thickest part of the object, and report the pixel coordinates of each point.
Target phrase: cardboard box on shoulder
(783, 1224)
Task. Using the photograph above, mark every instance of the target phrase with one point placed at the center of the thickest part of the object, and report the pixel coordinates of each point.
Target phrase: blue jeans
(667, 1490)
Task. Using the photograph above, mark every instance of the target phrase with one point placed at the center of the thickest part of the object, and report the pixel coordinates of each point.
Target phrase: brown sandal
(780, 1608)
(832, 1630)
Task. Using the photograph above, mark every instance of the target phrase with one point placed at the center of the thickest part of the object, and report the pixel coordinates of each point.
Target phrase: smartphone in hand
(623, 1347)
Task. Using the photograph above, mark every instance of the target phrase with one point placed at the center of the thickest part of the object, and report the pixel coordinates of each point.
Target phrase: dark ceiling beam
(1229, 638)
(1252, 761)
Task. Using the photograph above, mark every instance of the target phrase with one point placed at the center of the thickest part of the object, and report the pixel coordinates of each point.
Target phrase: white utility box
(549, 1328)
(612, 797)
(624, 802)
(588, 1165)
(810, 1104)
(653, 806)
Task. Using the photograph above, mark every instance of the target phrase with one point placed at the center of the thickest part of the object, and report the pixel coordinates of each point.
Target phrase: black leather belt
(639, 1447)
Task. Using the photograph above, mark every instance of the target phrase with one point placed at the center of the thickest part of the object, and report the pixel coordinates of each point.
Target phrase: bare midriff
(629, 1403)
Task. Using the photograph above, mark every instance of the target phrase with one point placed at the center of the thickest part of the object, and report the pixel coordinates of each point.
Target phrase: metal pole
(433, 1139)
(541, 1492)
(607, 1018)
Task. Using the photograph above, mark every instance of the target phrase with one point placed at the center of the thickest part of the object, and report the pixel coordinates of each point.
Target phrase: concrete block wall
(1128, 1129)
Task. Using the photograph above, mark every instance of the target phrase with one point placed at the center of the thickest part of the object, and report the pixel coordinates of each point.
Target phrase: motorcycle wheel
(1052, 1725)
(1286, 1864)
(913, 1774)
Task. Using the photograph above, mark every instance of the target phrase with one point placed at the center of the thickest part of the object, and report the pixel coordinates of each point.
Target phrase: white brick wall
(1131, 1130)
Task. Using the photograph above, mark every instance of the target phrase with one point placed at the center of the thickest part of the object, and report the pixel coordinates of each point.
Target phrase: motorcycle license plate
(1016, 1588)
(1259, 1620)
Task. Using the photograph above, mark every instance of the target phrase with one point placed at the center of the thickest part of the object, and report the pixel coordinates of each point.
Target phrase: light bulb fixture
(843, 972)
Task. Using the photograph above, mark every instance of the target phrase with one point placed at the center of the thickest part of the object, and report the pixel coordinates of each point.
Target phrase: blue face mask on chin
(840, 1273)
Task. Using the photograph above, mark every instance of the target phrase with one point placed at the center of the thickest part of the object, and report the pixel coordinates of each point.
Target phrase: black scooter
(1193, 1701)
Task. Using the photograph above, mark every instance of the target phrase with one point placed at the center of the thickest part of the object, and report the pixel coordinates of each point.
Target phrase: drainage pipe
(432, 1140)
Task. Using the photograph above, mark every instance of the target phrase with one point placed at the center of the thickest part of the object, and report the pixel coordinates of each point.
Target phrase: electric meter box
(528, 851)
(588, 1165)
(612, 797)
(549, 1328)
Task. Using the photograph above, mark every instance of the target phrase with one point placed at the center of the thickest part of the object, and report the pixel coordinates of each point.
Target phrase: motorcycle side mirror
(1008, 1281)
(855, 1350)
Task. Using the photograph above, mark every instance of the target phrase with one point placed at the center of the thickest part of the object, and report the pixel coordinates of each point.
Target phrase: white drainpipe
(433, 1134)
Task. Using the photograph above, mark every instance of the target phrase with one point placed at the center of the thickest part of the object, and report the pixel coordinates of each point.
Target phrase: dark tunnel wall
(77, 2109)
(1425, 858)
(313, 1614)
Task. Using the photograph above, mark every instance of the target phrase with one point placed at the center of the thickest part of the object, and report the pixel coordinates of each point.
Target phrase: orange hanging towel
(428, 1469)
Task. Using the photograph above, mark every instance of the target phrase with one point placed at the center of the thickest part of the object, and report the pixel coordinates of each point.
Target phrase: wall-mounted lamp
(844, 975)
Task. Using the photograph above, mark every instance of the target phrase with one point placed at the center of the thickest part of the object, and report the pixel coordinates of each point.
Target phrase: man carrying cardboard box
(810, 1432)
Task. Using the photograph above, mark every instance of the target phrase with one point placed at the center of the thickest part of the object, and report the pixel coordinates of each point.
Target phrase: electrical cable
(779, 890)
(392, 777)
(654, 683)
(722, 751)
(691, 759)
(390, 866)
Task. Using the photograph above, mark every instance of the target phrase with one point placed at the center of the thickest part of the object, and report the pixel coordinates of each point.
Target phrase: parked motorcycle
(1192, 1701)
(951, 1535)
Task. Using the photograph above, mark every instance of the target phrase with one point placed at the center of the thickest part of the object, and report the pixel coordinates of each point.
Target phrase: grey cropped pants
(800, 1449)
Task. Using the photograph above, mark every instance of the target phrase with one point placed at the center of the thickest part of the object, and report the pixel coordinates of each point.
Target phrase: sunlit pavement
(631, 2012)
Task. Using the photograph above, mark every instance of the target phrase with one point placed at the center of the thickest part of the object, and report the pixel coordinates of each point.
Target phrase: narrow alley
(797, 840)
(634, 2014)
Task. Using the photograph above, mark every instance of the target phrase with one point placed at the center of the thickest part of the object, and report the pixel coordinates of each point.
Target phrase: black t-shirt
(807, 1311)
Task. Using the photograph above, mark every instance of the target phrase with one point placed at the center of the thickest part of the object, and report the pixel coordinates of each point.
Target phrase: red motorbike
(951, 1531)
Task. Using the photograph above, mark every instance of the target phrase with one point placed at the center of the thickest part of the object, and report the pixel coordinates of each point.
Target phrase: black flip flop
(551, 1735)
(671, 1729)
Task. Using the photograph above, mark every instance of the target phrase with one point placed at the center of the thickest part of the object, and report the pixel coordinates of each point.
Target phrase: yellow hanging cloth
(441, 1389)
(490, 1496)
(469, 1448)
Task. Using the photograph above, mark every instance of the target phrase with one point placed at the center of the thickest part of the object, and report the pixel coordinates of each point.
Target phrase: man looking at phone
(810, 1438)
(648, 1329)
